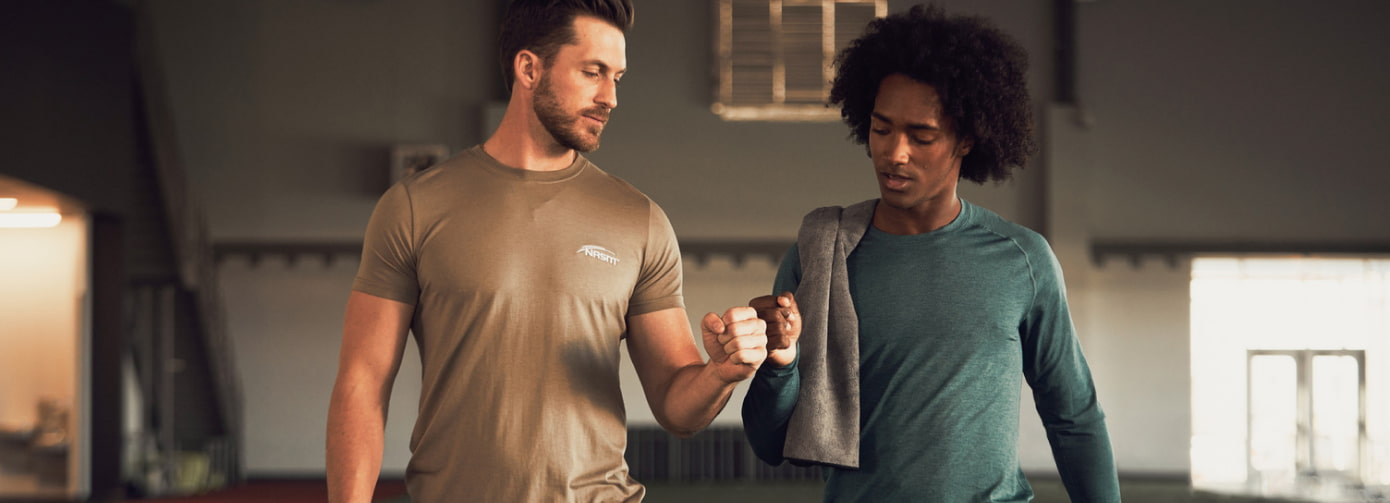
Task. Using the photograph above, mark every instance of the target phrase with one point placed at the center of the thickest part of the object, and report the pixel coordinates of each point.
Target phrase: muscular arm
(684, 393)
(374, 333)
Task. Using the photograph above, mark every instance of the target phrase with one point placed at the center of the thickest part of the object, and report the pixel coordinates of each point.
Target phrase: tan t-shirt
(522, 282)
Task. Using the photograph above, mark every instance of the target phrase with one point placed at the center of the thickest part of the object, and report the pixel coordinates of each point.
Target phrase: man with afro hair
(916, 315)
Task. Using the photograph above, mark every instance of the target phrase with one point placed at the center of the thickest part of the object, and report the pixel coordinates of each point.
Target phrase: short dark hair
(542, 26)
(977, 70)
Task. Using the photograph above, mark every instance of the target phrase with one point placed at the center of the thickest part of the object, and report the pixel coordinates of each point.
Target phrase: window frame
(778, 109)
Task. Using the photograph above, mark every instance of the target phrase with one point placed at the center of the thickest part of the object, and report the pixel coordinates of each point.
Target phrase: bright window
(1289, 380)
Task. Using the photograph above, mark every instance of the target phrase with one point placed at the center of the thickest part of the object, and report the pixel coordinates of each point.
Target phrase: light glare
(29, 220)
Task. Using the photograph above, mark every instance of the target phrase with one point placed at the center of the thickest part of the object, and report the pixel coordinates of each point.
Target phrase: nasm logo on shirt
(598, 252)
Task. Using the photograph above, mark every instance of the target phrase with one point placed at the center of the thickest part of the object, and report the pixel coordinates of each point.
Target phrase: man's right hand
(783, 326)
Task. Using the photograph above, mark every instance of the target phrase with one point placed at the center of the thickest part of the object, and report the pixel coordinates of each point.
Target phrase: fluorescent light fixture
(29, 220)
(8, 203)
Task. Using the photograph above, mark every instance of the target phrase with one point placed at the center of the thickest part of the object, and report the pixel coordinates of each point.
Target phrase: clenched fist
(736, 342)
(783, 326)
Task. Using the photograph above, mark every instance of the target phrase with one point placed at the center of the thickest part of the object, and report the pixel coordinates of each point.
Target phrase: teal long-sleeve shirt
(950, 322)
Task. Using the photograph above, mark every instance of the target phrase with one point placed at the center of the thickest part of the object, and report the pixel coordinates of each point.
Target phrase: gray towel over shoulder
(824, 427)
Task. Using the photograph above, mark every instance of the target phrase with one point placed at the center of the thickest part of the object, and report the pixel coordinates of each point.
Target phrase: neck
(520, 140)
(918, 220)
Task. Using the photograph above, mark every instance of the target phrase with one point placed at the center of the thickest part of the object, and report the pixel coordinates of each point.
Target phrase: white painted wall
(286, 325)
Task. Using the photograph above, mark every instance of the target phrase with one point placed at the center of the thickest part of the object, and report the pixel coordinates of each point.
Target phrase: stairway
(188, 406)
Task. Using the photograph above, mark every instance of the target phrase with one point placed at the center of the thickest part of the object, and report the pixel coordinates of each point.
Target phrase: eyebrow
(603, 67)
(910, 125)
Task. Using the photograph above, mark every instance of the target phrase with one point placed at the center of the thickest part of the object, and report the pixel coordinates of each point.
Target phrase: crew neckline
(527, 175)
(967, 212)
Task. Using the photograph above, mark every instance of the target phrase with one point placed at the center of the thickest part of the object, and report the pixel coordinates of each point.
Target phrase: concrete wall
(1236, 120)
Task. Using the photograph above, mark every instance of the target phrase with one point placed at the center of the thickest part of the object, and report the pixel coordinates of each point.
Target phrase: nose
(607, 95)
(899, 151)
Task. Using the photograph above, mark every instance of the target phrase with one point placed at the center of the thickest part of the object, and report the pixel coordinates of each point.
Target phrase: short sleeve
(388, 250)
(659, 282)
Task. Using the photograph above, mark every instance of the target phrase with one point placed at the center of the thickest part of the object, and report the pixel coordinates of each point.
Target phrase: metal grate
(716, 454)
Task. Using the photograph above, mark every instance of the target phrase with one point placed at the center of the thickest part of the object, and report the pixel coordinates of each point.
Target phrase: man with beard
(520, 267)
(923, 313)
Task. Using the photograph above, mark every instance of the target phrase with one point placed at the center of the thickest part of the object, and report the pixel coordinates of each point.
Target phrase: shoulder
(1029, 241)
(1033, 248)
(440, 179)
(617, 190)
(822, 214)
(624, 206)
(826, 222)
(827, 214)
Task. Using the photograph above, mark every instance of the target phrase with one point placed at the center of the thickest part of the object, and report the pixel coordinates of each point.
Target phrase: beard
(567, 129)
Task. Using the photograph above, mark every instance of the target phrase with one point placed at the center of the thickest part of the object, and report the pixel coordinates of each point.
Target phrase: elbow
(765, 447)
(771, 458)
(679, 430)
(683, 432)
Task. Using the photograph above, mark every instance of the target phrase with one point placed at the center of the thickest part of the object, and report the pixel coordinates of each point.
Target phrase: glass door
(1337, 412)
(1307, 424)
(1274, 410)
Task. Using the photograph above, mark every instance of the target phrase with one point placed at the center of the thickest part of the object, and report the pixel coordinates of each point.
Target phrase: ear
(527, 68)
(964, 146)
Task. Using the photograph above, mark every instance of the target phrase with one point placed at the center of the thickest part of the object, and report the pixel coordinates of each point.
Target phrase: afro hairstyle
(977, 70)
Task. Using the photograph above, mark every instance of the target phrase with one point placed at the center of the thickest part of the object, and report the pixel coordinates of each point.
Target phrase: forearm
(356, 425)
(1085, 462)
(695, 396)
(767, 409)
(374, 332)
